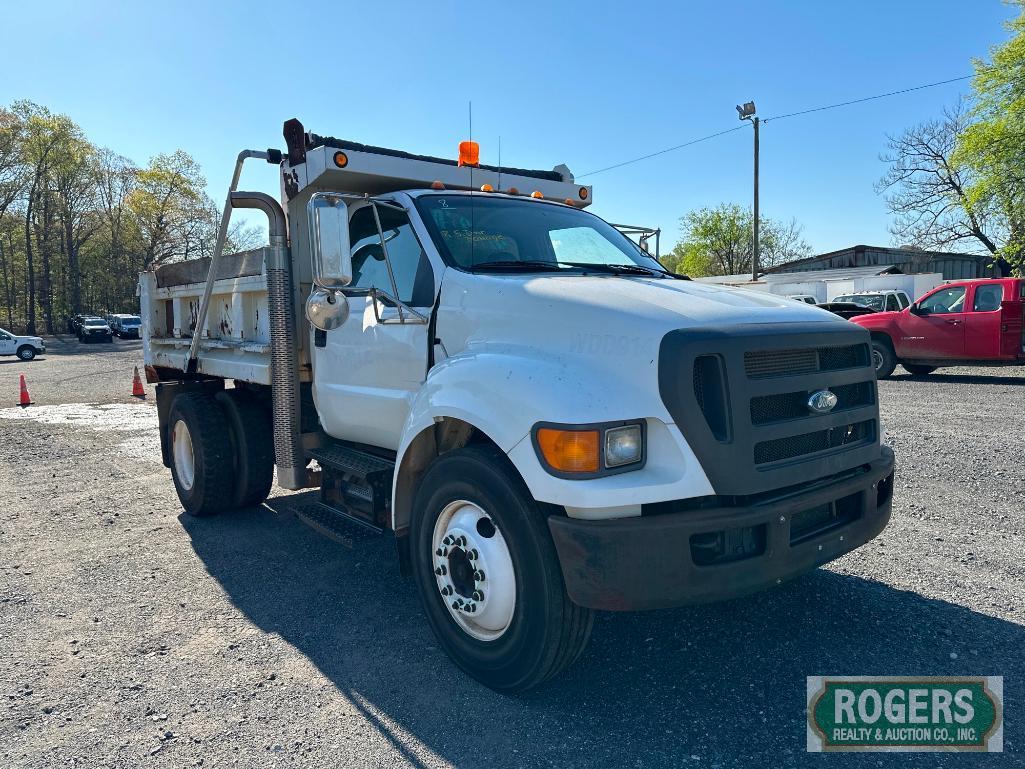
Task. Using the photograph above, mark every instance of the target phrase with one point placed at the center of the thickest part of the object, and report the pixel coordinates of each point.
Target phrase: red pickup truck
(964, 323)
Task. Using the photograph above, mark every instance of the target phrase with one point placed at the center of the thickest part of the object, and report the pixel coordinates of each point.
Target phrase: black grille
(710, 392)
(768, 363)
(782, 406)
(792, 446)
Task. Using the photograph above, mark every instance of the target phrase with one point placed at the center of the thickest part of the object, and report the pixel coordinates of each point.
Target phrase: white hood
(554, 309)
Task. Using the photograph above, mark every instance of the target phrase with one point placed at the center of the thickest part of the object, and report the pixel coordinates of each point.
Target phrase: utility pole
(747, 112)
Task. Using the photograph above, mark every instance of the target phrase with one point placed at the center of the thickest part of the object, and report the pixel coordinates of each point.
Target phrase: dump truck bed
(235, 340)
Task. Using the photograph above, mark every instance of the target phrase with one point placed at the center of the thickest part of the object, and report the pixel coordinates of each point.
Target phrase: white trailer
(545, 419)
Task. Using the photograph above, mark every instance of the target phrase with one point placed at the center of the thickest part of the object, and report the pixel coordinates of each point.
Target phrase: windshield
(95, 322)
(475, 231)
(131, 321)
(873, 301)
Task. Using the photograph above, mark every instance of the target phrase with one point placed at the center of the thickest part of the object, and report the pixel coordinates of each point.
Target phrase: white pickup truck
(25, 347)
(545, 419)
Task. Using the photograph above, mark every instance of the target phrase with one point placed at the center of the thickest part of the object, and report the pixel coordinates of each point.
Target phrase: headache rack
(341, 165)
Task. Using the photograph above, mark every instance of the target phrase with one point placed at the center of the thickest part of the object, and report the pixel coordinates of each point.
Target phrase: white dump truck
(546, 420)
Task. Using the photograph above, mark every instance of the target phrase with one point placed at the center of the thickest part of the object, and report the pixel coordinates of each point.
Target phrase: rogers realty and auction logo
(905, 714)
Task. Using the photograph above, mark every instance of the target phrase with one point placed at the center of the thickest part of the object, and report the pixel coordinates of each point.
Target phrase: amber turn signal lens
(436, 185)
(513, 191)
(486, 188)
(469, 154)
(341, 159)
(583, 193)
(537, 194)
(569, 451)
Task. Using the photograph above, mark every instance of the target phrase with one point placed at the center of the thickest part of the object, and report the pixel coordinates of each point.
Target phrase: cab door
(934, 328)
(367, 371)
(7, 343)
(984, 320)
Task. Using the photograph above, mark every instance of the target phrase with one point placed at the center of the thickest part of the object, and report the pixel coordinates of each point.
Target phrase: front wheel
(883, 358)
(202, 464)
(488, 575)
(27, 353)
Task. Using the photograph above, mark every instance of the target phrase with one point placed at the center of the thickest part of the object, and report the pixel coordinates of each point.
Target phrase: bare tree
(926, 191)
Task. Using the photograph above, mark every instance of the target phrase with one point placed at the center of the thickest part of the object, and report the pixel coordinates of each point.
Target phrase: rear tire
(510, 548)
(253, 440)
(26, 352)
(918, 370)
(202, 464)
(883, 358)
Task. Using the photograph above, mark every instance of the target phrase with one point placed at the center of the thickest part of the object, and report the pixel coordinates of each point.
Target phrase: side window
(946, 300)
(892, 305)
(988, 298)
(903, 300)
(413, 275)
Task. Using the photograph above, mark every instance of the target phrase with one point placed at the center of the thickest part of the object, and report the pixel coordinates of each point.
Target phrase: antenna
(499, 164)
(473, 226)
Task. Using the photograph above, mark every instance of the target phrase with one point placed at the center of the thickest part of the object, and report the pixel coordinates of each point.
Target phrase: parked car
(847, 310)
(806, 298)
(95, 330)
(889, 300)
(965, 323)
(25, 347)
(126, 326)
(75, 323)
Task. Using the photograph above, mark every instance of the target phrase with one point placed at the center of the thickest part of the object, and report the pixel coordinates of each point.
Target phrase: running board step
(355, 483)
(336, 524)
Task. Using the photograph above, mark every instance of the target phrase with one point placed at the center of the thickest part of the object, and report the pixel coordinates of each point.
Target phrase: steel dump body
(235, 339)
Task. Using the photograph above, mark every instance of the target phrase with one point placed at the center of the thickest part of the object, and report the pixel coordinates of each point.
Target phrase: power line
(661, 152)
(868, 98)
(777, 117)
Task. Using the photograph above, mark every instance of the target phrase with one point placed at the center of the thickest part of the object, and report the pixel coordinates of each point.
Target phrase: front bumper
(658, 561)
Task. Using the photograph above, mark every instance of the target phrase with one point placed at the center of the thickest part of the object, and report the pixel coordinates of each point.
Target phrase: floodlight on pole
(747, 111)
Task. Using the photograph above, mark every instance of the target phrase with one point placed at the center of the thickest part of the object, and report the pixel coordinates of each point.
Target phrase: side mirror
(329, 240)
(917, 309)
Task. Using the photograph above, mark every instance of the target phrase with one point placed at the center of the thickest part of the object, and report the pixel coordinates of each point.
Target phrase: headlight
(590, 451)
(623, 446)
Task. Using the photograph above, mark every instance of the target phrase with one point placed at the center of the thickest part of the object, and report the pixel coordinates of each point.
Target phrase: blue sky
(586, 84)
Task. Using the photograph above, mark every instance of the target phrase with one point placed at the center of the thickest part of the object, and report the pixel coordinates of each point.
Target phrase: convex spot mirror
(329, 240)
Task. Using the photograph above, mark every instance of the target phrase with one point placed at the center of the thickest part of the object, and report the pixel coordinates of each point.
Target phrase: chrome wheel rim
(473, 570)
(877, 359)
(184, 460)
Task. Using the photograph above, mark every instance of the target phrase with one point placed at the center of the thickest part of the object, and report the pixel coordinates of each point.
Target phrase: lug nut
(478, 595)
(441, 571)
(449, 539)
(441, 551)
(447, 590)
(470, 607)
(461, 541)
(473, 555)
(478, 576)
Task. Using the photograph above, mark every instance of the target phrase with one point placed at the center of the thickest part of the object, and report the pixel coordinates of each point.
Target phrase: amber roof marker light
(341, 159)
(583, 193)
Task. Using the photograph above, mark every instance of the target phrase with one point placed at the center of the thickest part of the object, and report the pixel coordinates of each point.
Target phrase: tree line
(79, 222)
(953, 183)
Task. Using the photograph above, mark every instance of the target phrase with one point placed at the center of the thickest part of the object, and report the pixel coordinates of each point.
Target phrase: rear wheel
(253, 443)
(26, 352)
(883, 358)
(488, 574)
(918, 370)
(202, 464)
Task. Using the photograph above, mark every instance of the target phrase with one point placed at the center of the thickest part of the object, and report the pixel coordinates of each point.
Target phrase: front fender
(504, 391)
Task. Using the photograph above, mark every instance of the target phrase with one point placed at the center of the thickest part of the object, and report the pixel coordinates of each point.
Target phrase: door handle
(953, 322)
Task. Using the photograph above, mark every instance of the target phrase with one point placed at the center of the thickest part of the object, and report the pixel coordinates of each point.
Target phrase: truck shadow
(1015, 379)
(724, 683)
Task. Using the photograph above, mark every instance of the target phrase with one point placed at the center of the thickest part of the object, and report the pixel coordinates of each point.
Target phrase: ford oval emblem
(822, 402)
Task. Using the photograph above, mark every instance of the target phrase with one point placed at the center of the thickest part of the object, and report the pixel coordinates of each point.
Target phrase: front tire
(202, 464)
(883, 358)
(26, 353)
(488, 574)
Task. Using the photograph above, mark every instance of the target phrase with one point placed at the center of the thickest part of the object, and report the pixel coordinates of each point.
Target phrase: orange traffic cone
(23, 396)
(138, 391)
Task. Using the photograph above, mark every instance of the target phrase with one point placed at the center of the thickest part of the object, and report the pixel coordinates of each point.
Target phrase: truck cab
(962, 323)
(545, 419)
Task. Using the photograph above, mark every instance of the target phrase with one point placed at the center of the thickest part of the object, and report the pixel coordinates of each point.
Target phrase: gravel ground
(134, 636)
